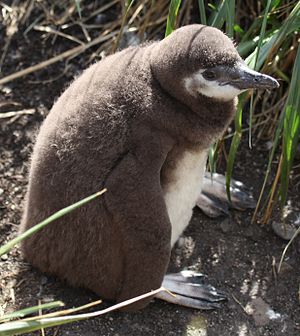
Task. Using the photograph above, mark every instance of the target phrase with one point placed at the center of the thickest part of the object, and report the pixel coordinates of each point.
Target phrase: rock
(101, 18)
(129, 38)
(197, 326)
(226, 225)
(285, 268)
(4, 257)
(6, 89)
(44, 280)
(262, 313)
(284, 230)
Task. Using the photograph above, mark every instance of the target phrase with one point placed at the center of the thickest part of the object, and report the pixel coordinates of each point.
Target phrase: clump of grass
(172, 17)
(289, 130)
(59, 318)
(272, 37)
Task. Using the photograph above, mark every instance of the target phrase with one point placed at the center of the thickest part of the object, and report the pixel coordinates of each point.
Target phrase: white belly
(181, 195)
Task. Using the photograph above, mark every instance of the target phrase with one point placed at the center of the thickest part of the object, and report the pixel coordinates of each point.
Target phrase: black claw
(186, 277)
(188, 302)
(196, 291)
(212, 206)
(190, 291)
(215, 295)
(242, 201)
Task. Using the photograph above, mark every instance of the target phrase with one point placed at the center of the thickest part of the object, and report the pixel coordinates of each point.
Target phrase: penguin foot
(213, 199)
(190, 291)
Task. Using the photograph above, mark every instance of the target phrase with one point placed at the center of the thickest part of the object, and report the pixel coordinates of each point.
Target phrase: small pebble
(101, 18)
(284, 231)
(226, 225)
(5, 89)
(4, 257)
(285, 267)
(262, 313)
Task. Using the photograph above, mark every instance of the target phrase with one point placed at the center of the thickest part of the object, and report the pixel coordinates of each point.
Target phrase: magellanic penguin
(138, 123)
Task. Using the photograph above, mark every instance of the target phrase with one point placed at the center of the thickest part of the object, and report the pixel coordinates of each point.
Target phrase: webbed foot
(190, 291)
(213, 199)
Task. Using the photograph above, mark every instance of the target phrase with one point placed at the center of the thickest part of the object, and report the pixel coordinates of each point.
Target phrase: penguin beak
(244, 78)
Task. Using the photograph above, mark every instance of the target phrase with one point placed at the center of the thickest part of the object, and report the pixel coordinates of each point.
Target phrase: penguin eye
(209, 75)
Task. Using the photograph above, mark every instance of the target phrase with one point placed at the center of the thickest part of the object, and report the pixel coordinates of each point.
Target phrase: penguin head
(200, 60)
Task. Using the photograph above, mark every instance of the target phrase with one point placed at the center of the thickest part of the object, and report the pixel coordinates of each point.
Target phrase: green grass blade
(251, 30)
(230, 17)
(232, 154)
(226, 9)
(258, 22)
(172, 16)
(77, 4)
(268, 43)
(245, 47)
(63, 312)
(291, 129)
(250, 120)
(217, 18)
(27, 311)
(23, 327)
(129, 4)
(234, 143)
(290, 25)
(271, 156)
(212, 157)
(260, 41)
(262, 33)
(202, 12)
(4, 249)
(275, 38)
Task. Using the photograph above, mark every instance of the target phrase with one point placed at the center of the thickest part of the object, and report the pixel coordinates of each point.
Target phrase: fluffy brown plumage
(123, 124)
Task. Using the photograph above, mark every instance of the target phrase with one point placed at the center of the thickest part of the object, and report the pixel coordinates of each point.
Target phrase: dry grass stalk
(11, 114)
(63, 312)
(56, 32)
(71, 52)
(141, 16)
(271, 201)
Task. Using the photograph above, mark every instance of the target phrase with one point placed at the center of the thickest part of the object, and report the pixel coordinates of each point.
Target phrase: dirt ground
(237, 256)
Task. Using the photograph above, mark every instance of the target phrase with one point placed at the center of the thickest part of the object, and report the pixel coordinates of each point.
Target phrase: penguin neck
(203, 119)
(210, 116)
(213, 111)
(216, 111)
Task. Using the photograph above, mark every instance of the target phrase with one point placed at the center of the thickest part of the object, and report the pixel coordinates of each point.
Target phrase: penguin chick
(139, 123)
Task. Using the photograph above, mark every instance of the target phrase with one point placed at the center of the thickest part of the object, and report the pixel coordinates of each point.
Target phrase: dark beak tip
(272, 83)
(276, 84)
(268, 82)
(251, 79)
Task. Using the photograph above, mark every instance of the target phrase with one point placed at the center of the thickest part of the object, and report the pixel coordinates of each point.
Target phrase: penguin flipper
(213, 199)
(190, 291)
(142, 222)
